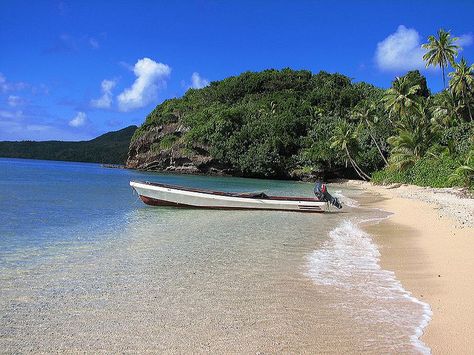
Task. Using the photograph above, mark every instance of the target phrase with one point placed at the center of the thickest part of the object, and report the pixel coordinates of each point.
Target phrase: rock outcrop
(161, 149)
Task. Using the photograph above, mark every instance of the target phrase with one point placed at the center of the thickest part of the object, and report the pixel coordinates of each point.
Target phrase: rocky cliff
(161, 149)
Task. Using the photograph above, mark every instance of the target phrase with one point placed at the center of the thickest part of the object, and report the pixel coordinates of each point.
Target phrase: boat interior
(255, 195)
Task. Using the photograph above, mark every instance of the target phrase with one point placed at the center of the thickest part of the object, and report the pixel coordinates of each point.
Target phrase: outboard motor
(322, 194)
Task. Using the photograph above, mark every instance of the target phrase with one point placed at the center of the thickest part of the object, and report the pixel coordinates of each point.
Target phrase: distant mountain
(110, 148)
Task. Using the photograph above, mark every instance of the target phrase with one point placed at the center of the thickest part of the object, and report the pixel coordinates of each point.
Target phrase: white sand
(429, 243)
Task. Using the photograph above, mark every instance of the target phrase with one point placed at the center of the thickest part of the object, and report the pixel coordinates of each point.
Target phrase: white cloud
(37, 127)
(79, 120)
(400, 51)
(16, 130)
(6, 86)
(94, 43)
(198, 82)
(40, 90)
(151, 76)
(126, 65)
(11, 115)
(105, 101)
(65, 43)
(465, 40)
(29, 125)
(15, 101)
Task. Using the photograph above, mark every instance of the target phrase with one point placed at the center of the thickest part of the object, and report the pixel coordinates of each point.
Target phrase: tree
(445, 108)
(413, 139)
(345, 140)
(462, 83)
(365, 113)
(441, 51)
(404, 152)
(401, 99)
(414, 77)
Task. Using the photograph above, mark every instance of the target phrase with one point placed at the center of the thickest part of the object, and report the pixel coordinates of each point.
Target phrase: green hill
(297, 124)
(274, 123)
(111, 148)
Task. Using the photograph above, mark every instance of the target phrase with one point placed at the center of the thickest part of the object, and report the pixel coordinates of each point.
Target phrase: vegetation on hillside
(110, 148)
(274, 123)
(433, 142)
(294, 123)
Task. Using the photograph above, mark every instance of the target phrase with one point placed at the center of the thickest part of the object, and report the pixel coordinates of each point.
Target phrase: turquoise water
(86, 266)
(48, 202)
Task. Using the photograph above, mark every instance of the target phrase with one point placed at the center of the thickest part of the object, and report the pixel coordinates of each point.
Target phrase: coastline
(428, 242)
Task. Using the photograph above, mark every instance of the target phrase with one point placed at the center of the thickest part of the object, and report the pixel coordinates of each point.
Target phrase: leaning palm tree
(441, 51)
(401, 99)
(462, 82)
(345, 140)
(366, 113)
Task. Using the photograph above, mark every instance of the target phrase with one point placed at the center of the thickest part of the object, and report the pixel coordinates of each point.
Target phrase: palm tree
(413, 139)
(441, 51)
(404, 152)
(365, 113)
(446, 109)
(345, 139)
(462, 82)
(401, 99)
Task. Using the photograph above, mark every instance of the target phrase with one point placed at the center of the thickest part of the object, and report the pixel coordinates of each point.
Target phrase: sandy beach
(428, 242)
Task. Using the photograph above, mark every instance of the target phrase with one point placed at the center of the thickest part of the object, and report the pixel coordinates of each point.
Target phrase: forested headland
(110, 148)
(296, 124)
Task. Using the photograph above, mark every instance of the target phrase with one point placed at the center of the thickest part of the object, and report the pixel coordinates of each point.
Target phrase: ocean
(85, 266)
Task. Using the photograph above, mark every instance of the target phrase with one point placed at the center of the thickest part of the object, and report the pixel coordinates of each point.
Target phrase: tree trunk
(468, 107)
(444, 78)
(367, 177)
(357, 170)
(379, 149)
(376, 144)
(356, 167)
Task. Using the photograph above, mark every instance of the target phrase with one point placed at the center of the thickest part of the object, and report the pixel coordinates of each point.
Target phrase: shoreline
(428, 242)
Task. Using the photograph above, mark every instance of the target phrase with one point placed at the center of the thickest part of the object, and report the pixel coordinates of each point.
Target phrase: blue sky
(72, 70)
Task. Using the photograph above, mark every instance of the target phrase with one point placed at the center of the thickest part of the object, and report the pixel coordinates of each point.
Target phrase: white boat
(156, 194)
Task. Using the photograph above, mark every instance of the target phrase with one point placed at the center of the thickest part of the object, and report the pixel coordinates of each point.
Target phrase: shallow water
(85, 266)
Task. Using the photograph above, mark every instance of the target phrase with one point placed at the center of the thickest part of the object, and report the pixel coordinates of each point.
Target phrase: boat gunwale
(164, 203)
(228, 194)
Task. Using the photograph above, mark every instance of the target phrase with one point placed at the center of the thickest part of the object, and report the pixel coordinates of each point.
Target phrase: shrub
(434, 172)
(167, 142)
(428, 171)
(390, 176)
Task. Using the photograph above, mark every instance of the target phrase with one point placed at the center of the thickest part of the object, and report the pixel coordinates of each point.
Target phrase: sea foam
(345, 200)
(349, 262)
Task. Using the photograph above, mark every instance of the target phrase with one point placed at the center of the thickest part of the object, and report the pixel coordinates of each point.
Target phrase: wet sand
(429, 243)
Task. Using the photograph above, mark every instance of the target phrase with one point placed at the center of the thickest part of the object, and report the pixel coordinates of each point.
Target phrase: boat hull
(163, 195)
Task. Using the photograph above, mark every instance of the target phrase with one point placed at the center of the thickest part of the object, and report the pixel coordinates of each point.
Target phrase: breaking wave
(349, 262)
